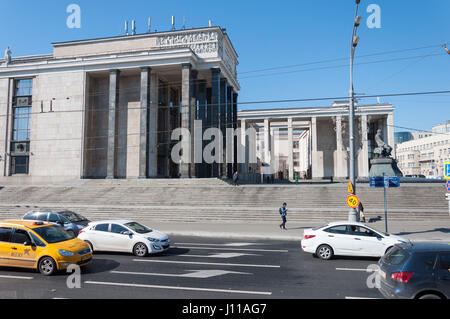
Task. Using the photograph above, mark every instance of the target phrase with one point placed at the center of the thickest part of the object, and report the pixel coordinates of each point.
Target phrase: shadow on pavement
(100, 265)
(441, 230)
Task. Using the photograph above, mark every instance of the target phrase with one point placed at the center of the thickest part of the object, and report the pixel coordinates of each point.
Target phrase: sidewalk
(438, 231)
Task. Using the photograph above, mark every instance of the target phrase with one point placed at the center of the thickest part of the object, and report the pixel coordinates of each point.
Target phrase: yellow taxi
(42, 246)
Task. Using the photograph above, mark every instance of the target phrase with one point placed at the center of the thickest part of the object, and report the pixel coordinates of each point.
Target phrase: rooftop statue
(7, 56)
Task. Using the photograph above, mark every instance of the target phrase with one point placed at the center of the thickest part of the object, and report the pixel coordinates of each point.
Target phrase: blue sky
(270, 34)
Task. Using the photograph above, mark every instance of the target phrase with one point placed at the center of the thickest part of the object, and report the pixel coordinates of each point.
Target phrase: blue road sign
(384, 181)
(447, 170)
(448, 186)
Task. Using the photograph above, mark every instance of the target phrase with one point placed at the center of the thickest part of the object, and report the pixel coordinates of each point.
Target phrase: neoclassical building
(106, 108)
(317, 138)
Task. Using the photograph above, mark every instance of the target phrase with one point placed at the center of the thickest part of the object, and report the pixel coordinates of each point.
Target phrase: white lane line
(203, 263)
(201, 274)
(226, 245)
(361, 298)
(234, 249)
(353, 269)
(221, 255)
(267, 293)
(16, 277)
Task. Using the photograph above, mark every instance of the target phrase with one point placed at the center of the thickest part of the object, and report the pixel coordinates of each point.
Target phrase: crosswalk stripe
(234, 249)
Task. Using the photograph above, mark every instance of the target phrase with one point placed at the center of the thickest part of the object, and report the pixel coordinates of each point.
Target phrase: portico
(321, 137)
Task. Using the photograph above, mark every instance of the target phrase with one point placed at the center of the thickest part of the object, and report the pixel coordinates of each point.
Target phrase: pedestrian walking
(283, 213)
(362, 217)
(235, 178)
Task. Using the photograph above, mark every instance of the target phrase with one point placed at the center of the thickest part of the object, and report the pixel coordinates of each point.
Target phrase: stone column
(267, 141)
(215, 104)
(340, 167)
(202, 102)
(229, 139)
(243, 148)
(188, 116)
(145, 104)
(364, 153)
(114, 79)
(235, 125)
(223, 123)
(314, 150)
(152, 160)
(290, 150)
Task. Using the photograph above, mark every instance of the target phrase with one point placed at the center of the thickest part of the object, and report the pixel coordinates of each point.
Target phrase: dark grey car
(54, 218)
(416, 271)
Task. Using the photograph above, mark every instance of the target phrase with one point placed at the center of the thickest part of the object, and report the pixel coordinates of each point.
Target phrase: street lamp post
(352, 214)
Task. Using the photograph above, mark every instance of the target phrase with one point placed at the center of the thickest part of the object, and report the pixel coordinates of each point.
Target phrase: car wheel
(140, 250)
(430, 296)
(324, 252)
(47, 266)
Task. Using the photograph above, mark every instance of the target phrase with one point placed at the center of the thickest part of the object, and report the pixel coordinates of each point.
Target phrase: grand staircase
(214, 200)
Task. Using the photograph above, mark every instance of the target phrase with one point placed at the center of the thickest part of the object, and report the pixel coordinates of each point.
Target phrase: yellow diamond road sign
(350, 188)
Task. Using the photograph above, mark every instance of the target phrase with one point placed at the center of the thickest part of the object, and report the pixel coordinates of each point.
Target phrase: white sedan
(124, 236)
(347, 239)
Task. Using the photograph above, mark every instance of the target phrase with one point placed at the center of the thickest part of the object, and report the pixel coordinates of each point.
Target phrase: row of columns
(217, 107)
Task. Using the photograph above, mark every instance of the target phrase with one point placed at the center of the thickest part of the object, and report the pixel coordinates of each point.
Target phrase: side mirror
(28, 243)
(127, 233)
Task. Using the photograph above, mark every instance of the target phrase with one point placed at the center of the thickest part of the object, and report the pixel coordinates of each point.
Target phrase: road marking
(222, 255)
(226, 245)
(361, 298)
(234, 249)
(267, 293)
(16, 277)
(201, 274)
(203, 263)
(353, 269)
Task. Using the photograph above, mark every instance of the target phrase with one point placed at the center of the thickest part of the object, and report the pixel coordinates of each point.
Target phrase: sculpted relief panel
(204, 44)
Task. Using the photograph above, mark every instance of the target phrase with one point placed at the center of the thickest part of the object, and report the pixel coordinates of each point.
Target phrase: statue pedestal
(384, 166)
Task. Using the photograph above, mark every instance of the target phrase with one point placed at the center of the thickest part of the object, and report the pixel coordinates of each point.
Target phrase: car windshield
(138, 228)
(396, 256)
(73, 217)
(53, 234)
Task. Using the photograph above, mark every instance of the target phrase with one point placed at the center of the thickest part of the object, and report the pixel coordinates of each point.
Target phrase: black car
(416, 271)
(75, 218)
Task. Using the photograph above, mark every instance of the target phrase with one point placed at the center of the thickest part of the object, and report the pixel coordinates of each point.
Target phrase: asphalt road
(204, 268)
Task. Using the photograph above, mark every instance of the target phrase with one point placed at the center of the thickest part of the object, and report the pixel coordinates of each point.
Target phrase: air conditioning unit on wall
(23, 101)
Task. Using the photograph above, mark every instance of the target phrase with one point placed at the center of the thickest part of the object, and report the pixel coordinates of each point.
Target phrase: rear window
(396, 256)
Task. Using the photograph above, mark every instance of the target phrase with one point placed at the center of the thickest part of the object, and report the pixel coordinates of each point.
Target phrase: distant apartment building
(426, 153)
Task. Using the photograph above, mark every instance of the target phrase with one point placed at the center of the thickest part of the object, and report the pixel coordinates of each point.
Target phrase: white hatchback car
(124, 236)
(347, 239)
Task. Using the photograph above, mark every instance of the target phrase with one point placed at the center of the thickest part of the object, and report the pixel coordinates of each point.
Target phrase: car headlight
(65, 253)
(153, 240)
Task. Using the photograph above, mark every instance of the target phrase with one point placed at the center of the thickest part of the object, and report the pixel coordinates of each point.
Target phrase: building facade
(426, 155)
(322, 138)
(106, 108)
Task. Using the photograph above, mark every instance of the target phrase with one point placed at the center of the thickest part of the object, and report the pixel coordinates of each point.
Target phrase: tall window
(21, 128)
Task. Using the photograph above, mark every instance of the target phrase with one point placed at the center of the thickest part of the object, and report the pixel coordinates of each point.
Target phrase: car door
(118, 240)
(22, 252)
(443, 282)
(99, 236)
(5, 245)
(366, 242)
(338, 237)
